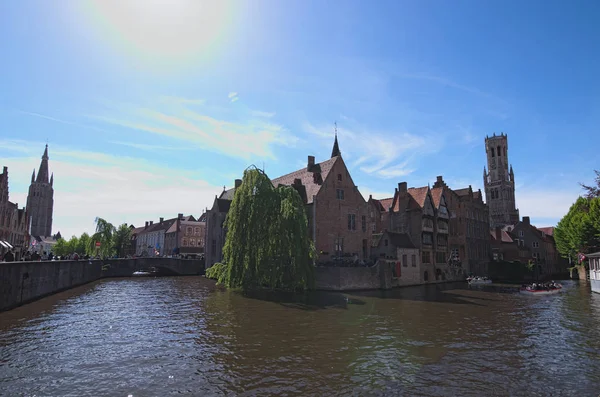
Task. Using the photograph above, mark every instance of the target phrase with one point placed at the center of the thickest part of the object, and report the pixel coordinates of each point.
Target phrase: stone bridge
(22, 282)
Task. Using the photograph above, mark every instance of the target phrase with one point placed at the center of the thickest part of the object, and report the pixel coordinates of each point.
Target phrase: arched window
(493, 155)
(185, 242)
(499, 151)
(192, 242)
(189, 230)
(197, 230)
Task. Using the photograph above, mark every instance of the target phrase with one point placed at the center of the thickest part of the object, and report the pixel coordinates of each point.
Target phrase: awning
(9, 246)
(3, 244)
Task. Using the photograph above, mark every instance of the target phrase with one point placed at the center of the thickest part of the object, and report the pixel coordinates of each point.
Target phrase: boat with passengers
(475, 280)
(539, 289)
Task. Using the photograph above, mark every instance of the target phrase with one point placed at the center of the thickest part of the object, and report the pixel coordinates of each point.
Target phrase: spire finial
(336, 148)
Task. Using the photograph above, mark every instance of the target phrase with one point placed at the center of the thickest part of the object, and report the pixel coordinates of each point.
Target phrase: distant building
(399, 249)
(185, 237)
(40, 200)
(379, 213)
(14, 222)
(337, 212)
(499, 182)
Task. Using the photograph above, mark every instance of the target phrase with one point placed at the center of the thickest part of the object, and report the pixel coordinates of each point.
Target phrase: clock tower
(499, 182)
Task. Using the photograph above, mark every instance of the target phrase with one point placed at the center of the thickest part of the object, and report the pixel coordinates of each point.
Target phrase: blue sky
(149, 110)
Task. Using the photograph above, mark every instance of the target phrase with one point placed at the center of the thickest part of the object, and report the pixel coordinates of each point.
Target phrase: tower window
(499, 151)
(493, 155)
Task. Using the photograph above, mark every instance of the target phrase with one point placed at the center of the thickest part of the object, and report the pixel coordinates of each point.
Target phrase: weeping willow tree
(267, 242)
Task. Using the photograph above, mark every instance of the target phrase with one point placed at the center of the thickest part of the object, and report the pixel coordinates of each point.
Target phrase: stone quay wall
(378, 276)
(23, 282)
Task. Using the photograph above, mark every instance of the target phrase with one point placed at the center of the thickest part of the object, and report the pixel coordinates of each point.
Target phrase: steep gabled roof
(436, 194)
(463, 191)
(386, 203)
(419, 194)
(311, 183)
(547, 230)
(505, 237)
(228, 194)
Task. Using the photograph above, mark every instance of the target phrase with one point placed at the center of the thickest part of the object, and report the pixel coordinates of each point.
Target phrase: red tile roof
(462, 192)
(547, 230)
(505, 237)
(386, 203)
(436, 194)
(419, 194)
(312, 184)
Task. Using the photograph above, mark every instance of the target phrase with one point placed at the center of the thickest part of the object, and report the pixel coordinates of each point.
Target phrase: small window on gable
(339, 177)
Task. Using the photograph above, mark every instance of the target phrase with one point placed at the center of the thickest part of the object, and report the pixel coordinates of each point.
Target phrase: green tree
(60, 248)
(72, 244)
(579, 230)
(104, 235)
(591, 190)
(122, 240)
(83, 246)
(267, 242)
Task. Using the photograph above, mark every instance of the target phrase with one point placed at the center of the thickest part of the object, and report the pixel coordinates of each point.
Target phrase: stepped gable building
(499, 182)
(414, 212)
(14, 222)
(40, 200)
(336, 210)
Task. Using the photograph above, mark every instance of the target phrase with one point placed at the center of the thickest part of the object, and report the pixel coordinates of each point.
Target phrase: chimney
(151, 222)
(498, 234)
(5, 169)
(161, 219)
(370, 197)
(311, 163)
(146, 227)
(526, 220)
(238, 183)
(179, 216)
(402, 187)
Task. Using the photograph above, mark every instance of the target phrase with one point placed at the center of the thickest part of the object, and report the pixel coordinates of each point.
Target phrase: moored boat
(478, 280)
(541, 289)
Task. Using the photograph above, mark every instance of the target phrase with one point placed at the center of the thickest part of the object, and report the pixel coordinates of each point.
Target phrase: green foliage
(60, 248)
(83, 246)
(216, 271)
(579, 230)
(104, 234)
(72, 245)
(122, 239)
(592, 191)
(267, 242)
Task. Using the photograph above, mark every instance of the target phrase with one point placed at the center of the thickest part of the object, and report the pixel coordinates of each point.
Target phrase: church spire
(42, 176)
(336, 148)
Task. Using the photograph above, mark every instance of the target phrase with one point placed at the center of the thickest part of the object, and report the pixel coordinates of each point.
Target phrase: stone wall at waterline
(23, 282)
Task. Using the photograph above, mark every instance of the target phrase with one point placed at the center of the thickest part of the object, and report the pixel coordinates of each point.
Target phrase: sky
(151, 107)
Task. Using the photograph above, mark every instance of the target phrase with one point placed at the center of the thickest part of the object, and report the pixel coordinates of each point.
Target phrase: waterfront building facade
(337, 213)
(14, 222)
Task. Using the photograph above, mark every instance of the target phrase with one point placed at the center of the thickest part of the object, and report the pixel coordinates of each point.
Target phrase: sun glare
(163, 28)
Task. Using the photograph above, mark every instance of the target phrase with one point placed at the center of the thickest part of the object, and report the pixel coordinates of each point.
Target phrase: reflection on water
(165, 336)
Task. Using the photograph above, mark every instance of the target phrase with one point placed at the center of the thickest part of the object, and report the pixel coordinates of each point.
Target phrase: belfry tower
(499, 182)
(40, 200)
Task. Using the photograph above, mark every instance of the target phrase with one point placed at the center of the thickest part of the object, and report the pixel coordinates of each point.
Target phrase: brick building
(185, 237)
(379, 214)
(399, 248)
(415, 212)
(14, 222)
(337, 212)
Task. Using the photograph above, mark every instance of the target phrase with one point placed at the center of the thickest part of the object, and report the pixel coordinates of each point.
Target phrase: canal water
(173, 336)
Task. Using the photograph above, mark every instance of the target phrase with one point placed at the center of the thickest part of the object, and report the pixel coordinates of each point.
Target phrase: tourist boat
(541, 289)
(594, 261)
(478, 280)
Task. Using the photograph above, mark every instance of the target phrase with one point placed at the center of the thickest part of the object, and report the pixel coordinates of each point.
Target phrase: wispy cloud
(233, 96)
(259, 113)
(144, 146)
(384, 155)
(57, 120)
(180, 100)
(241, 139)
